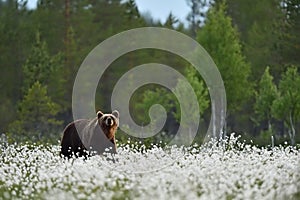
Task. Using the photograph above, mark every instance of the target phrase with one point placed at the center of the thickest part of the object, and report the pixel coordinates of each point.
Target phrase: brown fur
(86, 137)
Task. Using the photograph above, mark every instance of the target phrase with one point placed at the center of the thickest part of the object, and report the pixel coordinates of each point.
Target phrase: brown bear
(88, 137)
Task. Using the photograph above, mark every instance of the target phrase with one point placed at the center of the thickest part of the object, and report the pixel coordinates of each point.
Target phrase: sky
(159, 9)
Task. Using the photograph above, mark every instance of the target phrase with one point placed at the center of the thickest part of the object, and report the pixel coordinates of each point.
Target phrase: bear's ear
(115, 113)
(99, 114)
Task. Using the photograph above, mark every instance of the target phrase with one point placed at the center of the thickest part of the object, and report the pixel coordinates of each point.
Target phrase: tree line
(254, 44)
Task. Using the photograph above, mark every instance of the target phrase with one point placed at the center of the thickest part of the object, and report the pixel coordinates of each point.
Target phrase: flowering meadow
(228, 170)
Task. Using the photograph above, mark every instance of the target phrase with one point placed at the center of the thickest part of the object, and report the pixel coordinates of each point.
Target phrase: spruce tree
(45, 68)
(221, 41)
(36, 116)
(171, 21)
(266, 95)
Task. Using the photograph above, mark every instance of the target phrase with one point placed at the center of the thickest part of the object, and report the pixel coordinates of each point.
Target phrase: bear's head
(109, 123)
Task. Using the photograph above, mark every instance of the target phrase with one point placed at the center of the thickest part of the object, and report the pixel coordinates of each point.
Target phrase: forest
(255, 45)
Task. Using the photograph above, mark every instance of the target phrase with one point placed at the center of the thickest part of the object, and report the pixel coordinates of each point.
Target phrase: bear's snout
(109, 121)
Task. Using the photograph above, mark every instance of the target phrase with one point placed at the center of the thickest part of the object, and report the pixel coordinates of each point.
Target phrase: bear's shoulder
(76, 125)
(90, 128)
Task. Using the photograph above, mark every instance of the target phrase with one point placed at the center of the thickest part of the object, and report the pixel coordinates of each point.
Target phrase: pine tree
(197, 15)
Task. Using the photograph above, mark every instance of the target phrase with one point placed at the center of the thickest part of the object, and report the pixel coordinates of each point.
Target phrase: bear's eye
(104, 119)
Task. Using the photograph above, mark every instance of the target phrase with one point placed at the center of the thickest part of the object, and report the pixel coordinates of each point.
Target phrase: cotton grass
(227, 170)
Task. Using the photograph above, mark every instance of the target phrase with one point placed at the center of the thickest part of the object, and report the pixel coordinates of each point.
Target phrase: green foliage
(197, 14)
(132, 11)
(168, 100)
(46, 69)
(15, 39)
(49, 20)
(200, 91)
(8, 108)
(171, 21)
(289, 100)
(265, 37)
(159, 96)
(260, 47)
(36, 118)
(290, 35)
(260, 32)
(221, 40)
(267, 93)
(36, 115)
(38, 65)
(287, 106)
(67, 73)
